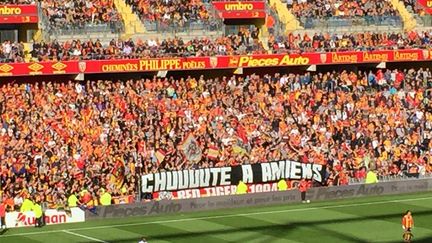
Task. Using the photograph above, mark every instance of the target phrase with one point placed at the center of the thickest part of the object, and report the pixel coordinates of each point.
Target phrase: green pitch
(374, 219)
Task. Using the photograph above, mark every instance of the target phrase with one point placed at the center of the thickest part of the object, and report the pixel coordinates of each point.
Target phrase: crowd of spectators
(11, 52)
(72, 14)
(245, 42)
(230, 45)
(179, 12)
(340, 8)
(60, 138)
(412, 6)
(4, 2)
(365, 41)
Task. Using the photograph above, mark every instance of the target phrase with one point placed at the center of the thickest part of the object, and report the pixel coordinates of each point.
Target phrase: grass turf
(373, 219)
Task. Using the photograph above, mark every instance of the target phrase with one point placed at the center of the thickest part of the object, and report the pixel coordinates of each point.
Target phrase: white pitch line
(83, 236)
(223, 216)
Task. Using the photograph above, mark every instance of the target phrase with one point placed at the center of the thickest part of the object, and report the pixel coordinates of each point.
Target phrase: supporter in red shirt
(303, 187)
(2, 215)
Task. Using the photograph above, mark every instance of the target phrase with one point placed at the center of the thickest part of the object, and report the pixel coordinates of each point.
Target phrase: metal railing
(425, 21)
(308, 48)
(248, 49)
(84, 28)
(190, 26)
(338, 22)
(161, 53)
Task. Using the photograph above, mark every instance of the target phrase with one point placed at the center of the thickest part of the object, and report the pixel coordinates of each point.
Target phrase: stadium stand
(344, 13)
(2, 2)
(344, 9)
(411, 6)
(179, 11)
(58, 138)
(349, 42)
(419, 12)
(176, 16)
(243, 43)
(75, 14)
(11, 52)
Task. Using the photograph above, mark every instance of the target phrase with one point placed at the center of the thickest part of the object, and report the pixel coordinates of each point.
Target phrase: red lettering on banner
(185, 194)
(55, 219)
(215, 191)
(29, 221)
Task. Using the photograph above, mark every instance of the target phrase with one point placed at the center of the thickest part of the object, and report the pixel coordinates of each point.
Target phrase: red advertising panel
(266, 60)
(427, 5)
(239, 6)
(376, 56)
(215, 62)
(243, 15)
(15, 14)
(241, 9)
(40, 68)
(145, 65)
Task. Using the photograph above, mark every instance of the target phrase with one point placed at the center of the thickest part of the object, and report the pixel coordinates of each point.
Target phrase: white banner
(52, 216)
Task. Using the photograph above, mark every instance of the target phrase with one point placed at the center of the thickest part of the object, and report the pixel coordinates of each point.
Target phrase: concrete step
(132, 22)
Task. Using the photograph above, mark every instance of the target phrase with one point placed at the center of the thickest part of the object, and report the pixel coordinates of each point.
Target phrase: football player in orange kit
(407, 225)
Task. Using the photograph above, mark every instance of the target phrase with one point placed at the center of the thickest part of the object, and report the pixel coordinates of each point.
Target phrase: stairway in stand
(285, 16)
(133, 25)
(408, 19)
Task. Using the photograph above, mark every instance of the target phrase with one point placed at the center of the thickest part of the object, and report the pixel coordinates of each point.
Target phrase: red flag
(212, 152)
(241, 133)
(160, 156)
(118, 173)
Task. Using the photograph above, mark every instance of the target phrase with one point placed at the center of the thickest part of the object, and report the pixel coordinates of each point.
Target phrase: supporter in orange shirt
(303, 187)
(407, 225)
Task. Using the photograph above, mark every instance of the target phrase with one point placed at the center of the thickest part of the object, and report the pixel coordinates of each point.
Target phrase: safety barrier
(258, 199)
